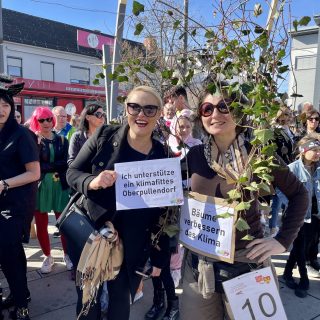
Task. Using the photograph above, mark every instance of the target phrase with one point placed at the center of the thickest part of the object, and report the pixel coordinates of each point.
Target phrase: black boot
(302, 289)
(157, 307)
(8, 302)
(290, 283)
(20, 314)
(172, 312)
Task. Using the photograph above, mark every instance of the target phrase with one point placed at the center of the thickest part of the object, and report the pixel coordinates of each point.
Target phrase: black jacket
(59, 165)
(101, 152)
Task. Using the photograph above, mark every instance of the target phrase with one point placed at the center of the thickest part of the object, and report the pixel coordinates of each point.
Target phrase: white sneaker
(68, 262)
(47, 264)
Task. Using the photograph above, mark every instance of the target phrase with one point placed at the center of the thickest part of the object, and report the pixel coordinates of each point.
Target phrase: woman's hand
(1, 187)
(264, 248)
(104, 180)
(155, 272)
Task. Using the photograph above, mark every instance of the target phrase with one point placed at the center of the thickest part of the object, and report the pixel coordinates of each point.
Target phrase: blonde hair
(146, 89)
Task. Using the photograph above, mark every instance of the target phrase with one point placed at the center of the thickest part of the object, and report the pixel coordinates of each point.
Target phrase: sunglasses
(99, 114)
(46, 119)
(315, 119)
(149, 110)
(207, 108)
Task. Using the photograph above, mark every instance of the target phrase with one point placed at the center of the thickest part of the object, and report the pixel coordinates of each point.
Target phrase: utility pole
(272, 12)
(107, 82)
(185, 38)
(117, 55)
(316, 93)
(1, 41)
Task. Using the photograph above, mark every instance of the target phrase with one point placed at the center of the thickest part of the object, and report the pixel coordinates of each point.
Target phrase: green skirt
(50, 194)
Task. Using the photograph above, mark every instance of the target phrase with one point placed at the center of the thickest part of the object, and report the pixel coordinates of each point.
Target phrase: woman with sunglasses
(19, 172)
(92, 117)
(53, 192)
(92, 173)
(214, 167)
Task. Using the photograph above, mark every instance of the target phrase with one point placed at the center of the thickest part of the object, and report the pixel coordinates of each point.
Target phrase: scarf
(100, 261)
(229, 165)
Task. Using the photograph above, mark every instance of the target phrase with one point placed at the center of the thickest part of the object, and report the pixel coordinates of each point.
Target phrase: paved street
(54, 297)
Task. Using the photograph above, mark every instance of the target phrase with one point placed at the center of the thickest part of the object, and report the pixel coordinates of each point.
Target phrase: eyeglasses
(46, 119)
(207, 108)
(99, 114)
(149, 110)
(17, 117)
(59, 116)
(315, 119)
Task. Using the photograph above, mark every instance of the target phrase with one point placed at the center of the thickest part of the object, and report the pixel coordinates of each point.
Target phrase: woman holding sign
(215, 168)
(92, 173)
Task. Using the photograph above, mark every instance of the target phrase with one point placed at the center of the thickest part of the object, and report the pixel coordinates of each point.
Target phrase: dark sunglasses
(149, 110)
(316, 119)
(43, 120)
(207, 108)
(99, 114)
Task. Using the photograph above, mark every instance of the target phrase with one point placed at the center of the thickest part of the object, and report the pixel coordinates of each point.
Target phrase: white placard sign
(203, 231)
(254, 296)
(148, 184)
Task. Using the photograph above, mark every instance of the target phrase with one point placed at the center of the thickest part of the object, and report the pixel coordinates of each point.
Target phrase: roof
(23, 28)
(304, 31)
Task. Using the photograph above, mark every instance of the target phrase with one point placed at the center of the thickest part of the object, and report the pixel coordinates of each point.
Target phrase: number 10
(262, 309)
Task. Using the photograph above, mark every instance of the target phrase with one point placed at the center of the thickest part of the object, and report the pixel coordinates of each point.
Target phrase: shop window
(47, 71)
(14, 66)
(79, 75)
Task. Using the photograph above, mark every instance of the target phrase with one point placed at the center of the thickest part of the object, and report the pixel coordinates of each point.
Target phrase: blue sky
(103, 14)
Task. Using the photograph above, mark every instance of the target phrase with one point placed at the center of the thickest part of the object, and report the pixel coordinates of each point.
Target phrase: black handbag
(76, 226)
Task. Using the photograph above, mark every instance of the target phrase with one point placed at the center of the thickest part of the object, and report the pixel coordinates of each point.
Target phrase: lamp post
(1, 41)
(316, 93)
(117, 56)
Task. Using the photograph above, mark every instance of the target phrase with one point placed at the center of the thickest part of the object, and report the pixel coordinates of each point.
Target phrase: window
(47, 71)
(306, 62)
(79, 75)
(14, 66)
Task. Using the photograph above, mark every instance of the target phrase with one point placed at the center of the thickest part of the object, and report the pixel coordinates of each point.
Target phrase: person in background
(74, 122)
(53, 192)
(92, 117)
(62, 127)
(17, 116)
(307, 170)
(92, 173)
(19, 172)
(285, 141)
(214, 167)
(169, 111)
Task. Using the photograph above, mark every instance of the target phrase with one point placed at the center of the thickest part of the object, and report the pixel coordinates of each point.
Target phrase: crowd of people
(52, 159)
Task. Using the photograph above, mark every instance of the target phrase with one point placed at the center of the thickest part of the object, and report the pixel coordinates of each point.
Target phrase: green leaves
(137, 8)
(139, 28)
(171, 230)
(167, 74)
(243, 206)
(234, 194)
(224, 215)
(242, 225)
(209, 34)
(263, 135)
(257, 10)
(304, 21)
(247, 237)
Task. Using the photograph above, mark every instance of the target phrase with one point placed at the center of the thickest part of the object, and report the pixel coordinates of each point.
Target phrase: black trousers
(298, 253)
(167, 281)
(13, 259)
(313, 234)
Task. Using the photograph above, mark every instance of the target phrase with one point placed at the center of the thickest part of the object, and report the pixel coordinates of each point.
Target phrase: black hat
(10, 90)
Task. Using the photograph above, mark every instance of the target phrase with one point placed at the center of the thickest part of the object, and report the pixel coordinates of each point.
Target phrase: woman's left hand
(155, 272)
(264, 248)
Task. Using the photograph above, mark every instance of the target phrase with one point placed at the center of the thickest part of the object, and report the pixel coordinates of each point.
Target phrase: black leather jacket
(59, 165)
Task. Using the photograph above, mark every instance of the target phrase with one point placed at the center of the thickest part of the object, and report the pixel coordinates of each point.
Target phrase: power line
(73, 8)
